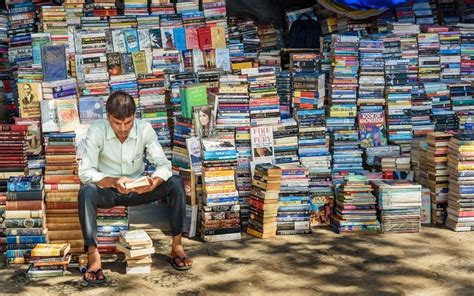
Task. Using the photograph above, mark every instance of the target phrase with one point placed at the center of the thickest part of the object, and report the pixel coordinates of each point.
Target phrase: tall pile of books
(264, 200)
(62, 186)
(293, 211)
(355, 206)
(436, 166)
(460, 169)
(138, 248)
(220, 209)
(307, 84)
(48, 260)
(74, 11)
(233, 102)
(53, 21)
(285, 143)
(284, 92)
(235, 43)
(244, 174)
(264, 103)
(461, 100)
(450, 55)
(24, 217)
(467, 51)
(399, 205)
(371, 80)
(429, 60)
(250, 39)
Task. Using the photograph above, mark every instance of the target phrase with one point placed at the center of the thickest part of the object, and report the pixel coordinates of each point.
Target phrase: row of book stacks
(269, 141)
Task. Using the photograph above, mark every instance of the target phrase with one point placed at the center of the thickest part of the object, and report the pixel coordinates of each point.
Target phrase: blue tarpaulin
(370, 4)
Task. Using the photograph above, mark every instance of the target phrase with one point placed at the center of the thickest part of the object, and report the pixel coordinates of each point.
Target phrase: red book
(205, 39)
(14, 127)
(23, 205)
(62, 205)
(192, 38)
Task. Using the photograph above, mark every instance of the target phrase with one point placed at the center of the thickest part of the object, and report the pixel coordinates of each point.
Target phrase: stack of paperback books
(220, 211)
(268, 37)
(436, 166)
(48, 260)
(428, 49)
(182, 132)
(24, 217)
(135, 7)
(285, 143)
(138, 249)
(53, 21)
(161, 7)
(308, 90)
(450, 55)
(284, 92)
(371, 80)
(461, 194)
(264, 200)
(101, 8)
(62, 187)
(110, 222)
(399, 205)
(467, 51)
(264, 103)
(355, 207)
(423, 12)
(74, 11)
(233, 103)
(244, 174)
(293, 202)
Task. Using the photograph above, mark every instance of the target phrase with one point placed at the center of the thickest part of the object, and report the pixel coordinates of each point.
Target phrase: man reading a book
(112, 161)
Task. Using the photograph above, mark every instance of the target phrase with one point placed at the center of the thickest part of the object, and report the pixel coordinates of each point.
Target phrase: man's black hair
(120, 105)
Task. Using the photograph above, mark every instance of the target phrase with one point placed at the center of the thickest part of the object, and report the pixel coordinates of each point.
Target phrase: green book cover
(193, 95)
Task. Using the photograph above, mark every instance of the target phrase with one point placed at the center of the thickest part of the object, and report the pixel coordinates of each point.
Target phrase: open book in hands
(140, 182)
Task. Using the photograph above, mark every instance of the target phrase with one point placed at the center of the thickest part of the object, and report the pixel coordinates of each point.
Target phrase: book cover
(372, 128)
(210, 58)
(127, 64)
(261, 139)
(192, 95)
(54, 61)
(68, 116)
(192, 39)
(50, 250)
(194, 153)
(205, 38)
(118, 41)
(155, 38)
(223, 59)
(38, 40)
(29, 98)
(179, 38)
(204, 121)
(321, 208)
(144, 39)
(198, 60)
(90, 109)
(218, 37)
(167, 38)
(114, 63)
(131, 40)
(49, 116)
(139, 62)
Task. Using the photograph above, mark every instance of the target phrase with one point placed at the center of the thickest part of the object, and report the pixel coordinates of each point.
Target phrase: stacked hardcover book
(399, 205)
(264, 200)
(138, 249)
(110, 222)
(24, 217)
(355, 207)
(220, 209)
(293, 202)
(48, 260)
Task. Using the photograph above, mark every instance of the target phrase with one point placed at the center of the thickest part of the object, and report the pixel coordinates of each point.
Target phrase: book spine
(24, 205)
(26, 239)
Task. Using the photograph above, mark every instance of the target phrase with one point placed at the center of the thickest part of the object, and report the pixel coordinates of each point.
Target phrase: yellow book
(218, 37)
(50, 250)
(139, 62)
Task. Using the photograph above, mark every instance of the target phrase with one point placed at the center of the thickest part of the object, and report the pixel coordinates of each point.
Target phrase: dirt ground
(436, 261)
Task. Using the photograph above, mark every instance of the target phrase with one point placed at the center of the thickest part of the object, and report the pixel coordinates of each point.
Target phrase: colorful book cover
(114, 63)
(49, 116)
(29, 98)
(68, 116)
(425, 216)
(118, 41)
(54, 61)
(261, 139)
(167, 38)
(127, 64)
(33, 135)
(204, 121)
(205, 38)
(218, 37)
(155, 38)
(131, 40)
(38, 40)
(90, 109)
(194, 152)
(179, 38)
(223, 59)
(372, 128)
(192, 38)
(210, 58)
(321, 208)
(198, 60)
(139, 62)
(192, 95)
(144, 39)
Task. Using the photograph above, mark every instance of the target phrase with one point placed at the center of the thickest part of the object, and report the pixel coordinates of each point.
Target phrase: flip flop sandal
(176, 266)
(97, 281)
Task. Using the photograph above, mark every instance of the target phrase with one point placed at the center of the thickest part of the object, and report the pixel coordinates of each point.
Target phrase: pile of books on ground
(355, 206)
(461, 189)
(138, 249)
(399, 205)
(48, 260)
(264, 200)
(220, 209)
(110, 222)
(24, 217)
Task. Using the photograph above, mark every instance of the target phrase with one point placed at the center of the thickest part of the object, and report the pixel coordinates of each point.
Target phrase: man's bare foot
(94, 265)
(178, 251)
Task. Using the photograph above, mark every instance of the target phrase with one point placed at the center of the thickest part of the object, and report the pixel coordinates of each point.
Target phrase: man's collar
(111, 134)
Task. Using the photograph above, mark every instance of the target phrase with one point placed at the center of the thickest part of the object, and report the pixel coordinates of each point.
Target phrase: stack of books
(460, 169)
(436, 166)
(399, 205)
(393, 164)
(423, 12)
(355, 207)
(372, 153)
(438, 94)
(293, 202)
(48, 260)
(6, 92)
(74, 11)
(233, 103)
(53, 21)
(101, 8)
(182, 132)
(62, 186)
(371, 80)
(415, 157)
(425, 216)
(284, 92)
(220, 209)
(449, 12)
(250, 38)
(110, 222)
(138, 249)
(405, 13)
(235, 43)
(161, 7)
(270, 58)
(192, 95)
(450, 55)
(3, 205)
(467, 49)
(264, 201)
(429, 60)
(176, 81)
(214, 9)
(268, 36)
(307, 84)
(244, 174)
(285, 143)
(183, 6)
(24, 217)
(93, 23)
(135, 7)
(264, 103)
